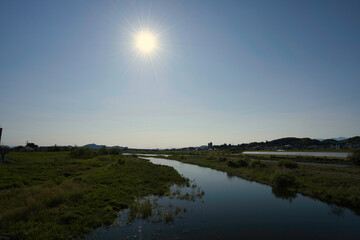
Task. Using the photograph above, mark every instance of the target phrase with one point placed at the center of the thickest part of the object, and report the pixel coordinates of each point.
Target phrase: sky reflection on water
(235, 208)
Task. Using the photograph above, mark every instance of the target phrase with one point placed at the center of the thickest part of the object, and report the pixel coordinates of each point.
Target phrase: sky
(224, 71)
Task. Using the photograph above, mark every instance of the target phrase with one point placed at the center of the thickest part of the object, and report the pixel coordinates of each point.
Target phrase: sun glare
(145, 42)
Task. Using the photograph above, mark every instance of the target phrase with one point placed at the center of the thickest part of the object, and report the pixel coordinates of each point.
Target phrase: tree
(115, 151)
(102, 151)
(31, 145)
(355, 157)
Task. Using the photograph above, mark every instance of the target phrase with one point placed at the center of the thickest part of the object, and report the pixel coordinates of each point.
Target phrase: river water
(234, 208)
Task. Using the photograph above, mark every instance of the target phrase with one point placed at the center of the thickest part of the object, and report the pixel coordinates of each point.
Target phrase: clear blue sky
(228, 71)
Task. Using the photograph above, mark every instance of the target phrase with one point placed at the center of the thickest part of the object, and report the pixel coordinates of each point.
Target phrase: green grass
(52, 196)
(313, 159)
(311, 150)
(338, 185)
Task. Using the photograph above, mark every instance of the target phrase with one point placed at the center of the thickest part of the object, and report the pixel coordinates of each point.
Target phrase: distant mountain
(94, 146)
(296, 143)
(336, 139)
(115, 147)
(340, 138)
(202, 147)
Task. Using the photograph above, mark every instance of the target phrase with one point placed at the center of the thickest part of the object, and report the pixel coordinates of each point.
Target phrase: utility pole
(3, 149)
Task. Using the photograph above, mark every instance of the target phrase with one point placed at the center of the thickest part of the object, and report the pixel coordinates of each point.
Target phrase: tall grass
(287, 163)
(62, 197)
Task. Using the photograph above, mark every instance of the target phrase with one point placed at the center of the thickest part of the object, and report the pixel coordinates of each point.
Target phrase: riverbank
(48, 195)
(335, 185)
(316, 150)
(306, 159)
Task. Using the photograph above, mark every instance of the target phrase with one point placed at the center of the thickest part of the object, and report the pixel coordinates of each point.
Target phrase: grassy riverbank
(308, 159)
(52, 196)
(338, 185)
(313, 150)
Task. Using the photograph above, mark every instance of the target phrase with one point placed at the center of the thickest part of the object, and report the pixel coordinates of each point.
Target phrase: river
(234, 208)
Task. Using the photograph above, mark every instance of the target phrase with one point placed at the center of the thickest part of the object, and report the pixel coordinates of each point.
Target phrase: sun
(145, 42)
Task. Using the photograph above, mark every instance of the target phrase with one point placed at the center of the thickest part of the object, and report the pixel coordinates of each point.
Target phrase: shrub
(257, 163)
(115, 151)
(121, 161)
(68, 218)
(82, 153)
(103, 151)
(287, 163)
(108, 208)
(355, 157)
(223, 159)
(232, 164)
(243, 163)
(239, 163)
(282, 179)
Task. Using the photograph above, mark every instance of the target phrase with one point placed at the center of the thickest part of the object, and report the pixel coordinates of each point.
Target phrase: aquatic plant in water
(151, 210)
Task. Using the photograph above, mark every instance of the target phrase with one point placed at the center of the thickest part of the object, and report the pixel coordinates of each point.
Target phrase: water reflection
(336, 210)
(230, 176)
(234, 208)
(284, 194)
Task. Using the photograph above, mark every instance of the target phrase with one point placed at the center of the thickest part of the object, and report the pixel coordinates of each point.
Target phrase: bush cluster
(112, 151)
(82, 153)
(287, 163)
(257, 163)
(239, 163)
(282, 179)
(355, 157)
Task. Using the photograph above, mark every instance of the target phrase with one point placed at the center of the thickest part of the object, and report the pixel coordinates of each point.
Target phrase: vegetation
(114, 151)
(150, 209)
(355, 157)
(282, 179)
(62, 195)
(309, 159)
(82, 153)
(257, 163)
(338, 185)
(239, 163)
(287, 163)
(31, 145)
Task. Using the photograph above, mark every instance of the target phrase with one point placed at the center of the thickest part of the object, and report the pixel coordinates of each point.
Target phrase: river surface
(234, 208)
(315, 154)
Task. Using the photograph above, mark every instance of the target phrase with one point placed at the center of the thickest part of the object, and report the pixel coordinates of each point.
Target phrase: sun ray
(143, 44)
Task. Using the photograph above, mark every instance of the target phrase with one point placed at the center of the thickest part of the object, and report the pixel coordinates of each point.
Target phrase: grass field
(314, 150)
(52, 196)
(309, 159)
